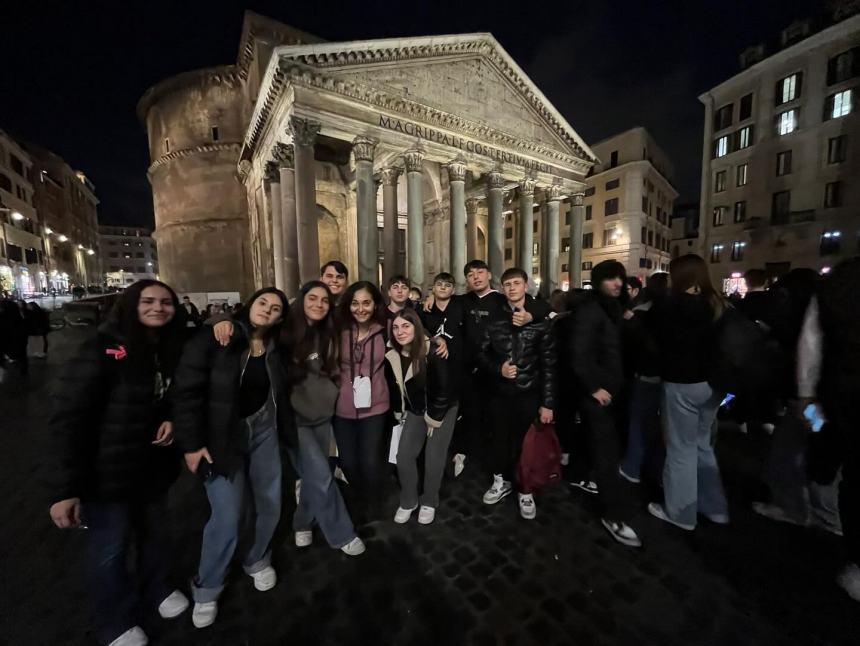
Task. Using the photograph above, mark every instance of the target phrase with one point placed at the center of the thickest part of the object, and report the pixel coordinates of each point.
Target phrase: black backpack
(746, 358)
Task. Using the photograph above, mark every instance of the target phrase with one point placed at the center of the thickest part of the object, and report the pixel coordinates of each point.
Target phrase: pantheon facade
(395, 156)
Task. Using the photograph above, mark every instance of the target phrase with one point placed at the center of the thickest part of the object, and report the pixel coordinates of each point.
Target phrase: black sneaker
(588, 486)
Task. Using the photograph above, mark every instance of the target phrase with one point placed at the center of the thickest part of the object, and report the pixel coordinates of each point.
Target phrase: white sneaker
(657, 511)
(174, 605)
(304, 538)
(527, 506)
(849, 580)
(204, 614)
(354, 547)
(402, 516)
(265, 579)
(426, 515)
(622, 533)
(131, 637)
(459, 464)
(497, 491)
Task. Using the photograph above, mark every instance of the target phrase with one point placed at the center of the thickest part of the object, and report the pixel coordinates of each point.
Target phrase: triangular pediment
(470, 76)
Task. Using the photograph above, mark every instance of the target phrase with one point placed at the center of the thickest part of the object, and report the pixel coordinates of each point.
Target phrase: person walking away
(519, 363)
(425, 404)
(110, 463)
(232, 413)
(594, 357)
(686, 337)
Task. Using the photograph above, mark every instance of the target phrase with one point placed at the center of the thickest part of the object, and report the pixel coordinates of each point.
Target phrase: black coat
(206, 397)
(530, 347)
(429, 393)
(683, 325)
(102, 427)
(594, 344)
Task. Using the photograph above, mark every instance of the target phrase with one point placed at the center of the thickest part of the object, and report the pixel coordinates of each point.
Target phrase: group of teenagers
(328, 379)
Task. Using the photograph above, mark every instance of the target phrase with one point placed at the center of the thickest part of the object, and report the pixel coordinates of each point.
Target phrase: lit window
(745, 137)
(786, 122)
(830, 243)
(721, 146)
(738, 250)
(788, 89)
(838, 105)
(741, 175)
(720, 181)
(720, 215)
(716, 252)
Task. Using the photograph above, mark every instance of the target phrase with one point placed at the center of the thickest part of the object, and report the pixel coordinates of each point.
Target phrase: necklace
(257, 349)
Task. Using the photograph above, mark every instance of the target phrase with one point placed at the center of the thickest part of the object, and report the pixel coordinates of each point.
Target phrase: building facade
(128, 254)
(781, 157)
(263, 168)
(66, 203)
(22, 263)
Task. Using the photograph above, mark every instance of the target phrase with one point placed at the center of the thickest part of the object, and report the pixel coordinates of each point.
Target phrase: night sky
(71, 73)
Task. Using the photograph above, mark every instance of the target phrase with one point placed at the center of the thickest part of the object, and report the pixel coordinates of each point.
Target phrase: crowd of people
(630, 376)
(19, 322)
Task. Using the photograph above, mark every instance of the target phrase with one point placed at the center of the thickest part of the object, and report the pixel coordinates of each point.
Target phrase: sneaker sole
(628, 478)
(620, 539)
(493, 502)
(666, 519)
(576, 485)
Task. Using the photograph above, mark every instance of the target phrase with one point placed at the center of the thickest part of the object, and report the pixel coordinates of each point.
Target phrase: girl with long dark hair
(426, 407)
(362, 406)
(232, 413)
(686, 334)
(312, 363)
(110, 462)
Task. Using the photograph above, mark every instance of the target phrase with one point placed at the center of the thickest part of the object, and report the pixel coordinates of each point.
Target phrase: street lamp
(17, 216)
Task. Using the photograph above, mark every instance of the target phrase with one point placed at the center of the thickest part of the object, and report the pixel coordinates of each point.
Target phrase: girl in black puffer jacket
(110, 462)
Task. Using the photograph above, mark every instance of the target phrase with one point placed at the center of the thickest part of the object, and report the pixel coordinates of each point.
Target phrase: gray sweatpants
(412, 439)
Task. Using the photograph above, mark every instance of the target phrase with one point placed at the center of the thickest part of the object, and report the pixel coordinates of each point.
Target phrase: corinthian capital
(527, 185)
(271, 172)
(389, 175)
(244, 169)
(363, 147)
(495, 179)
(472, 205)
(576, 199)
(457, 170)
(553, 193)
(414, 158)
(284, 154)
(304, 131)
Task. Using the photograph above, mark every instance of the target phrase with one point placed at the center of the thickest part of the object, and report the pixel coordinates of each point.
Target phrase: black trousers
(598, 425)
(843, 414)
(511, 416)
(473, 428)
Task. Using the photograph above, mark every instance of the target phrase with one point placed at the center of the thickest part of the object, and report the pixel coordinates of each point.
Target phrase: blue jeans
(226, 495)
(112, 526)
(320, 502)
(691, 477)
(641, 440)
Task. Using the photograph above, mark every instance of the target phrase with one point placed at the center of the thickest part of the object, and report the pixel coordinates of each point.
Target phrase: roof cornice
(194, 150)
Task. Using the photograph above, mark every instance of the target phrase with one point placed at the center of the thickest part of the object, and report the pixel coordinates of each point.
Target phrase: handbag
(540, 459)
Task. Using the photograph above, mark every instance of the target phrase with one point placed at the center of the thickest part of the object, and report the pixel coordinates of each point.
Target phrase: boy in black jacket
(519, 362)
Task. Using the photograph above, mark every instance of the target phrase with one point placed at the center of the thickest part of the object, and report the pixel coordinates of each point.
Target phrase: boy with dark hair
(335, 274)
(519, 362)
(444, 320)
(397, 289)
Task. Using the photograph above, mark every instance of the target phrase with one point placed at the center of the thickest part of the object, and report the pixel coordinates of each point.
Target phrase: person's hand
(428, 302)
(521, 317)
(602, 396)
(441, 347)
(628, 314)
(67, 513)
(164, 436)
(223, 331)
(545, 415)
(509, 370)
(192, 460)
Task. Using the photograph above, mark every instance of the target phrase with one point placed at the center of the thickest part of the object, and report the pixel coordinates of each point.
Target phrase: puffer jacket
(206, 398)
(105, 418)
(428, 393)
(530, 347)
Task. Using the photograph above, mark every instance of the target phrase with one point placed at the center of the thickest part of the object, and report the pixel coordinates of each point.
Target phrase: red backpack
(540, 460)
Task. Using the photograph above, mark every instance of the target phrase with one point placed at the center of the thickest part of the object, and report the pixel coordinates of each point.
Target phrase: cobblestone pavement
(478, 575)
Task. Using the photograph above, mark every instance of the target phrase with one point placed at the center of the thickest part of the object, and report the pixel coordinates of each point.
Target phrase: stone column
(304, 133)
(551, 270)
(574, 261)
(391, 259)
(273, 179)
(365, 189)
(285, 156)
(495, 224)
(457, 190)
(526, 225)
(414, 159)
(471, 231)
